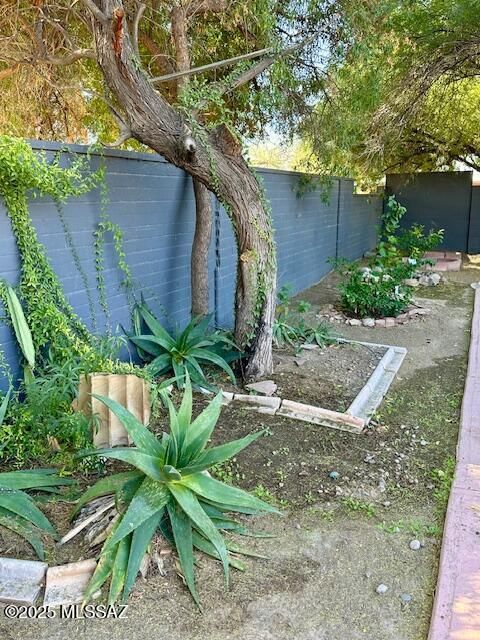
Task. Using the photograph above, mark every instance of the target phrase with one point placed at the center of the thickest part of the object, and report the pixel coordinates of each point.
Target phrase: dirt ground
(338, 539)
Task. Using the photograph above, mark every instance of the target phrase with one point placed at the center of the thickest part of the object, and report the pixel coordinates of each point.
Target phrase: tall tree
(137, 54)
(403, 91)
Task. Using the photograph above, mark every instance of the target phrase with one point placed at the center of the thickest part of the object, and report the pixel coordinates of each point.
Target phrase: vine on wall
(52, 320)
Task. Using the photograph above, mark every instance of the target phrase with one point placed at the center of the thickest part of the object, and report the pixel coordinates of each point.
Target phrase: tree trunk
(217, 163)
(199, 289)
(200, 248)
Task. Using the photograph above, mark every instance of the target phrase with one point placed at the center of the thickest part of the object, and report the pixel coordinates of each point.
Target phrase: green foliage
(414, 242)
(18, 511)
(374, 292)
(400, 94)
(290, 327)
(377, 290)
(183, 352)
(21, 329)
(170, 489)
(22, 171)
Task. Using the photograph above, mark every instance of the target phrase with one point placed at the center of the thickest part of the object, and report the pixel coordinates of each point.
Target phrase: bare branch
(92, 7)
(261, 66)
(69, 58)
(141, 10)
(213, 65)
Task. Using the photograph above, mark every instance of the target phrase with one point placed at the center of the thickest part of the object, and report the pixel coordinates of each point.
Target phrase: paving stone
(389, 322)
(354, 322)
(67, 583)
(380, 322)
(21, 580)
(265, 387)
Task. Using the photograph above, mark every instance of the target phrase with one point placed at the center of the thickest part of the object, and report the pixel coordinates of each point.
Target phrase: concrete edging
(358, 414)
(456, 608)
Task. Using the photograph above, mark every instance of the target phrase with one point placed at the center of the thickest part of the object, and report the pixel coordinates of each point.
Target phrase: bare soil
(338, 540)
(330, 377)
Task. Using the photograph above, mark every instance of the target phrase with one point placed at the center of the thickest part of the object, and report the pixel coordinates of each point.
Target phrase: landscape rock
(411, 282)
(381, 589)
(380, 322)
(334, 475)
(354, 322)
(368, 322)
(406, 597)
(309, 347)
(265, 387)
(415, 545)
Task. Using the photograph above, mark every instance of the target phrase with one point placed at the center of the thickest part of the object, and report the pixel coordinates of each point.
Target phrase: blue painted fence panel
(153, 203)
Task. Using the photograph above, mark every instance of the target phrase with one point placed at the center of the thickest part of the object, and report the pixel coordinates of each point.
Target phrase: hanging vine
(53, 323)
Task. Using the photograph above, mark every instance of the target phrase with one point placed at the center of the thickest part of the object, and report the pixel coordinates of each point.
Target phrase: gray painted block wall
(153, 203)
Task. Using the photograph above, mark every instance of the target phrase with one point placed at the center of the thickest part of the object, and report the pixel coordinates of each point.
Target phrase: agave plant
(170, 489)
(185, 352)
(21, 330)
(18, 511)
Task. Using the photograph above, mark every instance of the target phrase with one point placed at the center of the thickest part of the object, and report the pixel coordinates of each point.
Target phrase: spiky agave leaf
(175, 483)
(184, 352)
(18, 511)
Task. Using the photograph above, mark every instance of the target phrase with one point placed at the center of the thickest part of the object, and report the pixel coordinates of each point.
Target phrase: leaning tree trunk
(201, 243)
(216, 161)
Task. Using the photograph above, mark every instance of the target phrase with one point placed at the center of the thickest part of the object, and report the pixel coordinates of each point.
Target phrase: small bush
(378, 289)
(374, 292)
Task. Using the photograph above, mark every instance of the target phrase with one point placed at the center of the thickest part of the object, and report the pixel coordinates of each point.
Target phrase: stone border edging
(456, 608)
(358, 414)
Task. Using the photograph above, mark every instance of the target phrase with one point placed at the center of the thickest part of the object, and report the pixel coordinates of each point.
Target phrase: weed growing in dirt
(443, 479)
(359, 506)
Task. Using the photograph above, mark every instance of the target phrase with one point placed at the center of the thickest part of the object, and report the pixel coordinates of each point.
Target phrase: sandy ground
(329, 555)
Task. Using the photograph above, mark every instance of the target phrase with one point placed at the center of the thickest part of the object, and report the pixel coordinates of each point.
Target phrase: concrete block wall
(153, 203)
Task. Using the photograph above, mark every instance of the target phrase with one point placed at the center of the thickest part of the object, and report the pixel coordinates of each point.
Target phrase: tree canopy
(403, 92)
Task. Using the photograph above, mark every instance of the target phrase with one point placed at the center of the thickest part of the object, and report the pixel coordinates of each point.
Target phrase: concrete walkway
(456, 612)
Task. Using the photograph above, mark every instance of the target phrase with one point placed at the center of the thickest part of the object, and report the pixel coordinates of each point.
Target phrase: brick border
(456, 608)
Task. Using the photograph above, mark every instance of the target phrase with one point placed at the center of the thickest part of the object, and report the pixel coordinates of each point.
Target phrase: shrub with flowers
(375, 291)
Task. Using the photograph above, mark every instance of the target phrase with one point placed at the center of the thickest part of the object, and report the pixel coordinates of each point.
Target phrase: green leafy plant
(290, 327)
(414, 242)
(18, 511)
(21, 330)
(182, 353)
(170, 489)
(374, 291)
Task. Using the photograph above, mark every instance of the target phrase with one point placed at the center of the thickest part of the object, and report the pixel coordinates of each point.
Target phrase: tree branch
(92, 7)
(69, 58)
(141, 10)
(213, 65)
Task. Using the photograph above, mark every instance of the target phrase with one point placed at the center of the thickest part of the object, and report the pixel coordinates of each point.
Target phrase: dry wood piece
(128, 390)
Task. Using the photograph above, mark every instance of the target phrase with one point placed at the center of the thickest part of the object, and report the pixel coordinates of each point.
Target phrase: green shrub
(184, 352)
(414, 242)
(374, 291)
(18, 511)
(378, 289)
(170, 490)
